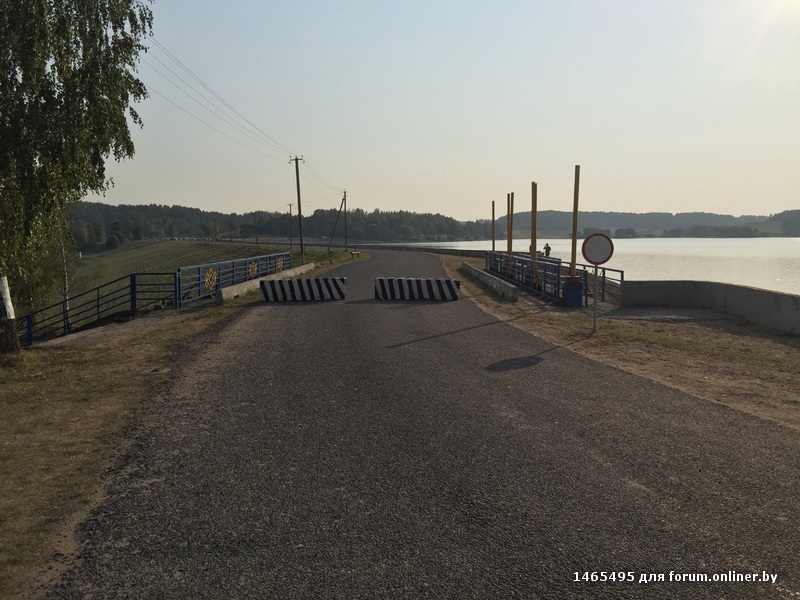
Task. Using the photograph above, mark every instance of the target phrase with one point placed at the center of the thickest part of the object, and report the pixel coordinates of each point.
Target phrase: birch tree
(67, 88)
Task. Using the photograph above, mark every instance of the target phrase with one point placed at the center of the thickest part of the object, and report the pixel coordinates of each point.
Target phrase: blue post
(29, 330)
(178, 290)
(603, 296)
(133, 293)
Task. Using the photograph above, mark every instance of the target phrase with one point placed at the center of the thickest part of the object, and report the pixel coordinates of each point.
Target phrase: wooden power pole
(291, 241)
(297, 160)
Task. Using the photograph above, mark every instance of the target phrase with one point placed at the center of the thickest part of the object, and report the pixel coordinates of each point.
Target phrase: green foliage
(159, 221)
(148, 256)
(112, 243)
(66, 86)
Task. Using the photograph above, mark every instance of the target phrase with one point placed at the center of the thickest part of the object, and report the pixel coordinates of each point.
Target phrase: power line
(152, 89)
(210, 109)
(186, 69)
(223, 110)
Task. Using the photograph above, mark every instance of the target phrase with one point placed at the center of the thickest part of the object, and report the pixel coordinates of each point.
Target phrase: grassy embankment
(65, 405)
(97, 268)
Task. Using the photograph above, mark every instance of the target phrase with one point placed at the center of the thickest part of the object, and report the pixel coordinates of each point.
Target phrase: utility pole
(345, 220)
(343, 205)
(297, 160)
(255, 229)
(291, 241)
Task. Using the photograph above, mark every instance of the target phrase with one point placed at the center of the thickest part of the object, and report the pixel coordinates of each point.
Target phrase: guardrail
(126, 295)
(136, 292)
(546, 275)
(203, 281)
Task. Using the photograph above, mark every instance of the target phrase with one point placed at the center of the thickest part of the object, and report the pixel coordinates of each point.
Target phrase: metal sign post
(597, 249)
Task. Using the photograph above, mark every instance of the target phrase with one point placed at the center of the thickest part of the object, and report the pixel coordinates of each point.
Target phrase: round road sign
(597, 248)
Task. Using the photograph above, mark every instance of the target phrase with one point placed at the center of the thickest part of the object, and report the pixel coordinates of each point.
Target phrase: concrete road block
(300, 290)
(413, 288)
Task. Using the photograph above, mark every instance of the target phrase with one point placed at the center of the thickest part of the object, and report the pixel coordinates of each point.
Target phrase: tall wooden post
(296, 160)
(511, 227)
(572, 269)
(492, 225)
(533, 220)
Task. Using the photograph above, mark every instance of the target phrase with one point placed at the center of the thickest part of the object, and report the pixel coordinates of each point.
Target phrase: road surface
(374, 449)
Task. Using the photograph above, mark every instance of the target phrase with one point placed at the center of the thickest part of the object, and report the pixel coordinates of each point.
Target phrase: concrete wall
(505, 289)
(762, 307)
(230, 292)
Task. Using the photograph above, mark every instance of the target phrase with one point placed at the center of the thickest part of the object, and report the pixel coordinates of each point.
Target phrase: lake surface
(766, 263)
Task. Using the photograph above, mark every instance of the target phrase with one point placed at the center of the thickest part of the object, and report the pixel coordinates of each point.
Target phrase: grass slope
(149, 256)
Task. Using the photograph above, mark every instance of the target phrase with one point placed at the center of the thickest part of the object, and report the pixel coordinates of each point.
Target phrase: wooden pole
(533, 220)
(572, 269)
(508, 225)
(509, 231)
(296, 160)
(492, 225)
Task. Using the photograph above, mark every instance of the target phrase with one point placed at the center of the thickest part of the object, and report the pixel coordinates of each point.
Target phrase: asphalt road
(373, 449)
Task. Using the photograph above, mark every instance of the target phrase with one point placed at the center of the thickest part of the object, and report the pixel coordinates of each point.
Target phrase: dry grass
(65, 407)
(708, 355)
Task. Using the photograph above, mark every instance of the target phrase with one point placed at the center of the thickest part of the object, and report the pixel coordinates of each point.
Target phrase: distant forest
(94, 223)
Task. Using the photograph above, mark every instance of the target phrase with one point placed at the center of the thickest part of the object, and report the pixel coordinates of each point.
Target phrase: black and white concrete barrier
(314, 288)
(413, 288)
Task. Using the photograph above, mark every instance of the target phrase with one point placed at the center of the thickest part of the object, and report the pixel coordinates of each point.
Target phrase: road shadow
(513, 364)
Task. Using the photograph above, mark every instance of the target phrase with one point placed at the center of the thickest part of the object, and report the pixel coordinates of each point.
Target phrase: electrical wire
(225, 112)
(278, 145)
(152, 89)
(213, 112)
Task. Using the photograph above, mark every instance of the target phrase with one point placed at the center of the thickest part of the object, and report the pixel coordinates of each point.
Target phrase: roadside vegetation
(100, 266)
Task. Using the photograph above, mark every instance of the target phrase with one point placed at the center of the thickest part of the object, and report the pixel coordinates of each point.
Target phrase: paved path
(368, 449)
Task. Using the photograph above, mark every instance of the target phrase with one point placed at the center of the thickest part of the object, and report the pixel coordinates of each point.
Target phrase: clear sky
(444, 106)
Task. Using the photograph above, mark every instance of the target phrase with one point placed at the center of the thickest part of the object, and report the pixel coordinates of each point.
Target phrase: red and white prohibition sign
(597, 248)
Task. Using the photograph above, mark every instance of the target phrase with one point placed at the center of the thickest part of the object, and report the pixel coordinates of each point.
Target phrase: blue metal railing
(129, 295)
(202, 281)
(136, 292)
(546, 276)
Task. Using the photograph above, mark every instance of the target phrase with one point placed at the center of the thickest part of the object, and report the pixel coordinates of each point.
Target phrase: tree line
(94, 224)
(630, 225)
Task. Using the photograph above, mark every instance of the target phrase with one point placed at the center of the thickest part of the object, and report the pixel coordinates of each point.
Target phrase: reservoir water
(766, 263)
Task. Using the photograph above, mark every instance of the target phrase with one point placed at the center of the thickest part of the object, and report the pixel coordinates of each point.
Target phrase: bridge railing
(137, 292)
(129, 294)
(201, 281)
(545, 276)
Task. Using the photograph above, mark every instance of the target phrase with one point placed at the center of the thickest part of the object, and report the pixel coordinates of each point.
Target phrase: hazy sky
(444, 106)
